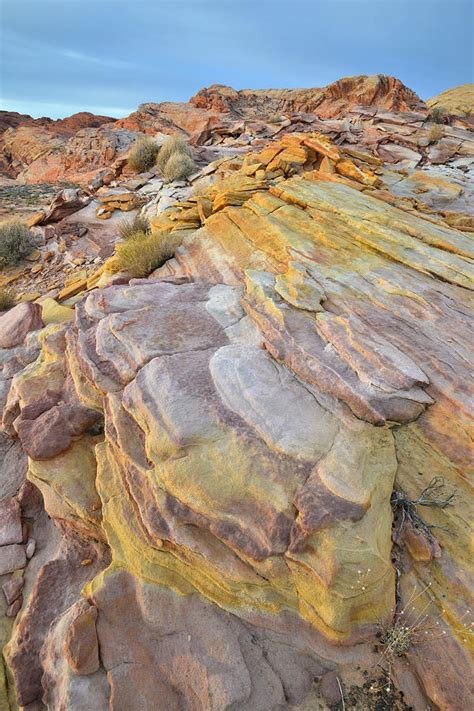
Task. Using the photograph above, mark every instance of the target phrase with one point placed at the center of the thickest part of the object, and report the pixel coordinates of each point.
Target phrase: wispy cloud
(19, 42)
(102, 61)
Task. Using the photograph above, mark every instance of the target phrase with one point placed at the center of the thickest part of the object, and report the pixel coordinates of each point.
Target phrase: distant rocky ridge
(46, 151)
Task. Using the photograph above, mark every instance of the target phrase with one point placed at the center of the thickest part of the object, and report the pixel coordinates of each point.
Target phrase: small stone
(329, 688)
(12, 558)
(15, 607)
(37, 268)
(86, 561)
(36, 218)
(30, 548)
(34, 256)
(12, 589)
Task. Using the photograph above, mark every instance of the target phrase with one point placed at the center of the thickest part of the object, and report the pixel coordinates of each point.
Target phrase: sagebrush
(143, 154)
(178, 167)
(16, 242)
(437, 115)
(173, 144)
(144, 253)
(133, 228)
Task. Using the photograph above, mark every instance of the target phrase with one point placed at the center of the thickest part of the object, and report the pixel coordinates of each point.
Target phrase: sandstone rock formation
(47, 151)
(378, 90)
(220, 458)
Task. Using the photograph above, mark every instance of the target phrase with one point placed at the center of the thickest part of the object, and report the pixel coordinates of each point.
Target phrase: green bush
(7, 298)
(130, 229)
(16, 242)
(179, 166)
(144, 253)
(174, 144)
(143, 154)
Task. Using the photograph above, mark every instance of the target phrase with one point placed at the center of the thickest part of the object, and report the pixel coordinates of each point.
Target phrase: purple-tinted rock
(16, 323)
(10, 522)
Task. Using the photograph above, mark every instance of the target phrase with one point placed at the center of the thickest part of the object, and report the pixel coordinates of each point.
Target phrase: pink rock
(30, 548)
(11, 558)
(81, 645)
(12, 589)
(50, 433)
(16, 323)
(10, 522)
(329, 688)
(15, 607)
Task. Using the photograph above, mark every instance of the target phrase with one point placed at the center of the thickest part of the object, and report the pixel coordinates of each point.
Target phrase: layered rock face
(218, 447)
(24, 140)
(47, 151)
(378, 90)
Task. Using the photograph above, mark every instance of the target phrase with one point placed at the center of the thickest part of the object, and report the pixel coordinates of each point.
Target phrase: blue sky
(108, 56)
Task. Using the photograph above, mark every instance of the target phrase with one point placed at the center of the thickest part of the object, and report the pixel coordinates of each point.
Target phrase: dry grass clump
(437, 115)
(175, 159)
(136, 227)
(179, 167)
(16, 242)
(144, 253)
(435, 133)
(7, 298)
(143, 154)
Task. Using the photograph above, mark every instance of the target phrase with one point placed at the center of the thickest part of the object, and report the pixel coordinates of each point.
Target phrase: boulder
(18, 322)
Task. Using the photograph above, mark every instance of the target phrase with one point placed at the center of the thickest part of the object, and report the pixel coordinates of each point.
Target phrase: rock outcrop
(379, 91)
(458, 101)
(225, 447)
(47, 151)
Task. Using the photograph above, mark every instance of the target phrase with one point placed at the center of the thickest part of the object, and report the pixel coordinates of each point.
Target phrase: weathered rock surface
(77, 147)
(377, 90)
(458, 100)
(16, 323)
(218, 447)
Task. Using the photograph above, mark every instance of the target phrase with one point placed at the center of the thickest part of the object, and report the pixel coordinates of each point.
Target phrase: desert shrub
(143, 154)
(7, 298)
(130, 229)
(179, 166)
(16, 242)
(435, 133)
(174, 144)
(437, 115)
(141, 255)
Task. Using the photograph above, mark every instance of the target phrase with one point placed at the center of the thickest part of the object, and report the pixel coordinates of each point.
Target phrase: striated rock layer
(42, 150)
(218, 446)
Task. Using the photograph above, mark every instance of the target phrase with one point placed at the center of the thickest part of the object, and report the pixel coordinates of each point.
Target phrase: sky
(108, 56)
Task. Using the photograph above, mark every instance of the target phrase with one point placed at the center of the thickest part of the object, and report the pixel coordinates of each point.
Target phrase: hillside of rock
(242, 483)
(378, 90)
(47, 151)
(459, 100)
